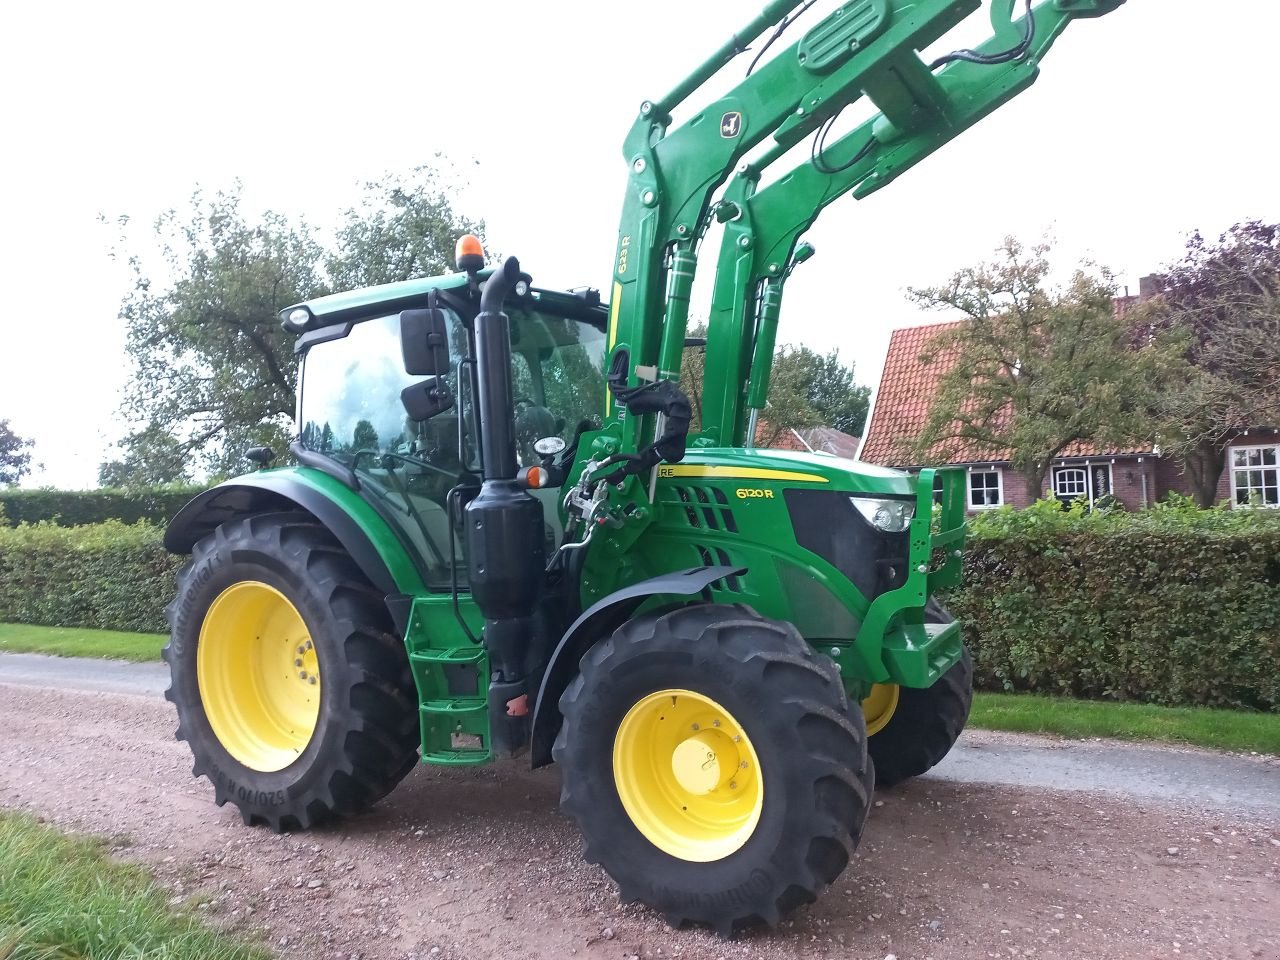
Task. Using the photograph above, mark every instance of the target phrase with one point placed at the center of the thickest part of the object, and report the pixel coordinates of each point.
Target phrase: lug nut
(312, 681)
(743, 764)
(733, 784)
(696, 727)
(297, 662)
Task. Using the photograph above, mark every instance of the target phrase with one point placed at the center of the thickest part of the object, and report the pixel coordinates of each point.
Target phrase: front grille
(826, 523)
(706, 508)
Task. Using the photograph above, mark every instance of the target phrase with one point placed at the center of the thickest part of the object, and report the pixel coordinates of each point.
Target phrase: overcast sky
(1146, 124)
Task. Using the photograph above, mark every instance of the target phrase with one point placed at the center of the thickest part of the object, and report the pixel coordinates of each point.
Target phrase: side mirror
(424, 341)
(425, 399)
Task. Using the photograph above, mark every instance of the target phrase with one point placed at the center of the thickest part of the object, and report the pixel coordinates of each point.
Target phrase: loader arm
(867, 47)
(673, 174)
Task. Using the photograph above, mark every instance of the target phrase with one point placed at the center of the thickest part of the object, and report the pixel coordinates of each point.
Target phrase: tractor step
(454, 708)
(455, 731)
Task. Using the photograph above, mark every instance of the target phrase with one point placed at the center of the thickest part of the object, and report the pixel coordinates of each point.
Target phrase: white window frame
(968, 489)
(1083, 482)
(1088, 493)
(1247, 468)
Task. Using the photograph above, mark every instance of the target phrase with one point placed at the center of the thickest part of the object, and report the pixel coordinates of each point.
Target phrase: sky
(1146, 124)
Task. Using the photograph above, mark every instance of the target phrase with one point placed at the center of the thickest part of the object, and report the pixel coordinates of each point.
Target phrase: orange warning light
(469, 254)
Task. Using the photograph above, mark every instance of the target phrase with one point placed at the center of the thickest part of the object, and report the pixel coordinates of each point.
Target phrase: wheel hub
(259, 676)
(704, 762)
(687, 775)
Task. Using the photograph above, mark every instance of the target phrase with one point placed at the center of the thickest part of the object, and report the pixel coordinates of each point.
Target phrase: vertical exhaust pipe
(507, 551)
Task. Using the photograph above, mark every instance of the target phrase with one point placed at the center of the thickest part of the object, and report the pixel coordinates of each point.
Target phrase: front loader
(501, 535)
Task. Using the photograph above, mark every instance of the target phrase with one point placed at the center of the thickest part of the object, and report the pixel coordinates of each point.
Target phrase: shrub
(1173, 605)
(73, 508)
(111, 575)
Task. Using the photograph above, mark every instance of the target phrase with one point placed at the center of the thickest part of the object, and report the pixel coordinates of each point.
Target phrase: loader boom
(865, 47)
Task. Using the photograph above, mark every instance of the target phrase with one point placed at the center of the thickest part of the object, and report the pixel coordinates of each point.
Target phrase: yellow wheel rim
(687, 775)
(259, 676)
(877, 709)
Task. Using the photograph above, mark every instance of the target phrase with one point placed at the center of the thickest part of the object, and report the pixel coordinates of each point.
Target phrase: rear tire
(925, 724)
(777, 708)
(275, 586)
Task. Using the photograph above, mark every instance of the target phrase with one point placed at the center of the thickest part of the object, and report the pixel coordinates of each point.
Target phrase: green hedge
(1170, 606)
(73, 508)
(111, 575)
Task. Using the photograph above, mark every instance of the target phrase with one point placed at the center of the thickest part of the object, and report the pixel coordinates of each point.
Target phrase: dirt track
(479, 863)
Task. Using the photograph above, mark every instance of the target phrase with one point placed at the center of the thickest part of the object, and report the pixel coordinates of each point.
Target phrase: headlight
(891, 516)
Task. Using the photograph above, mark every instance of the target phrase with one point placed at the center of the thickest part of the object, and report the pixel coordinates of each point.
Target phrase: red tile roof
(901, 409)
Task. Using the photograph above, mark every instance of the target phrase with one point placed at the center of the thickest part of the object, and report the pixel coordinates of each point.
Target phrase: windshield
(350, 410)
(557, 378)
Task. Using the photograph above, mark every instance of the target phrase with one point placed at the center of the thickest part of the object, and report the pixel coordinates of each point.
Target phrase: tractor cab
(361, 412)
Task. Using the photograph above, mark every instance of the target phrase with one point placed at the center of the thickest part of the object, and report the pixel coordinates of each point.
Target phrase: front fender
(597, 622)
(370, 540)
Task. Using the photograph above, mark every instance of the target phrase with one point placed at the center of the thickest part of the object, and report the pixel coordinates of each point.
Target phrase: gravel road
(1180, 857)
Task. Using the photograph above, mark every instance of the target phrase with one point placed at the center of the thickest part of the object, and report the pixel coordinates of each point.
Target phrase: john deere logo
(731, 124)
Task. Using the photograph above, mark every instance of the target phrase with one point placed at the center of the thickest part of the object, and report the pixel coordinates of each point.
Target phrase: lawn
(1199, 726)
(80, 642)
(63, 897)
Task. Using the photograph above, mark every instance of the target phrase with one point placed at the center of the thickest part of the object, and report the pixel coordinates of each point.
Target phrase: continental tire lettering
(754, 493)
(755, 885)
(182, 616)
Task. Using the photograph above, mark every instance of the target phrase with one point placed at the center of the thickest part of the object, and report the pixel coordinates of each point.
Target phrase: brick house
(1135, 477)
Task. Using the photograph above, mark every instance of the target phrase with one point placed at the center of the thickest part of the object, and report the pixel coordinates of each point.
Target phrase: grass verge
(1197, 726)
(80, 642)
(62, 896)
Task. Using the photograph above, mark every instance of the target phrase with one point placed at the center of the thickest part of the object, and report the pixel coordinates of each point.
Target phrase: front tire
(291, 688)
(911, 730)
(713, 765)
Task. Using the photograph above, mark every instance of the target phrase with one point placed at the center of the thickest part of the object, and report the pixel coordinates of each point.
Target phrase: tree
(15, 455)
(806, 389)
(1226, 295)
(213, 373)
(1032, 370)
(364, 437)
(211, 365)
(405, 227)
(150, 457)
(827, 385)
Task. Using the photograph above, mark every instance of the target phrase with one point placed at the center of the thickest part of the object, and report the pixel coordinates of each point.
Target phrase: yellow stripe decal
(735, 473)
(615, 304)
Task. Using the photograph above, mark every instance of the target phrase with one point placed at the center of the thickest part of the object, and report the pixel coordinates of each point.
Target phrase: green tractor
(501, 536)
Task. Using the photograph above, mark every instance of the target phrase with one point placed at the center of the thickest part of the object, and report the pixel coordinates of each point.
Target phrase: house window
(1255, 476)
(1090, 483)
(1070, 483)
(986, 489)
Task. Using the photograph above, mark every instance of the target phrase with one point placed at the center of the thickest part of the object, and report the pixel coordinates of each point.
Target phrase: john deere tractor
(501, 536)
